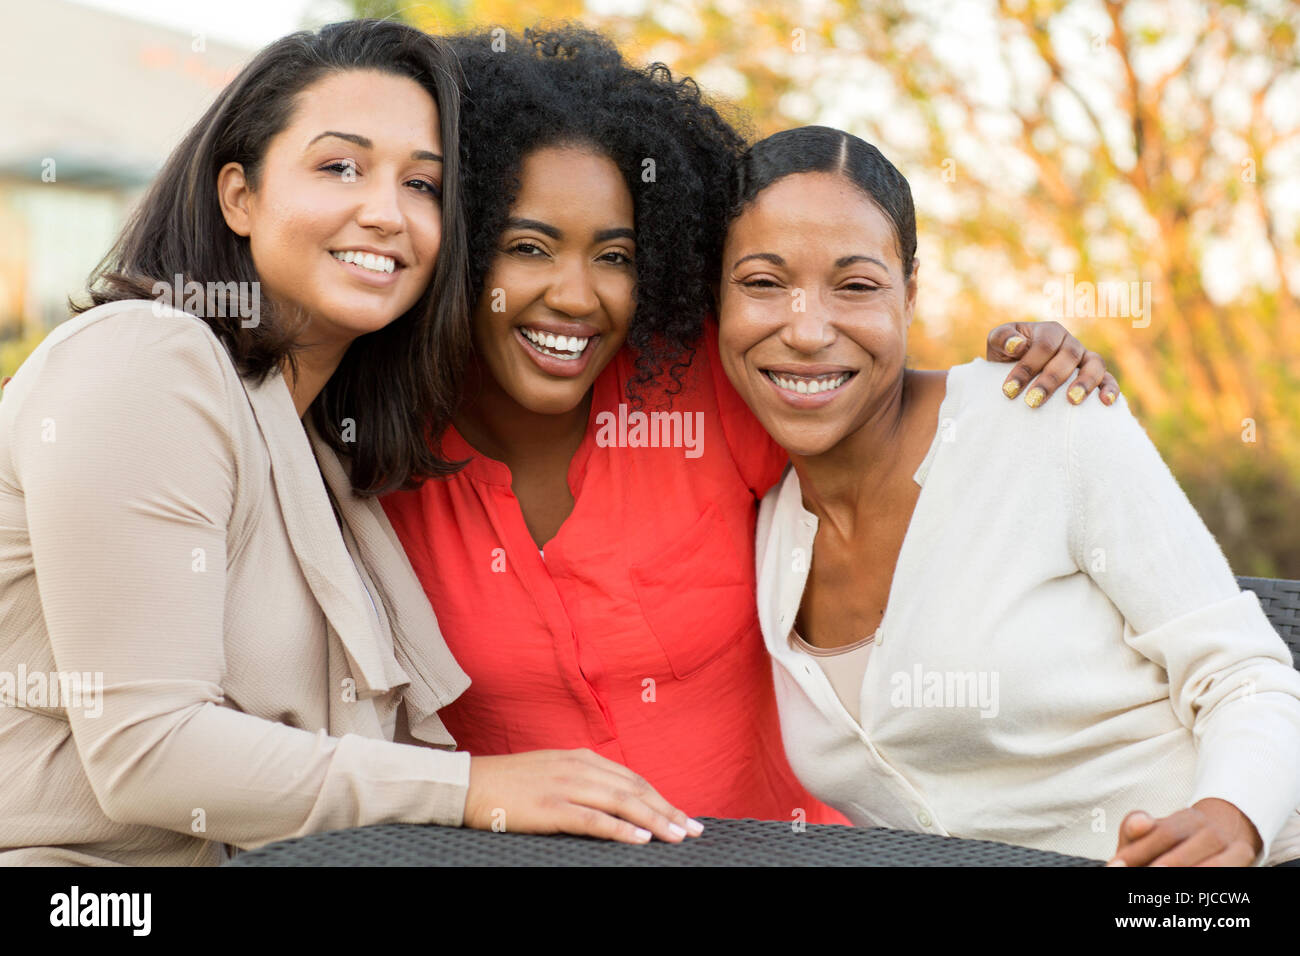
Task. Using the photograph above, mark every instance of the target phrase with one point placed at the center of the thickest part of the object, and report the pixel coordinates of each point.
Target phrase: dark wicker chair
(1281, 602)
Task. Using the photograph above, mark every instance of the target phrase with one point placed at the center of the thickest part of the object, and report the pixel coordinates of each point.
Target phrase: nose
(380, 207)
(570, 290)
(808, 328)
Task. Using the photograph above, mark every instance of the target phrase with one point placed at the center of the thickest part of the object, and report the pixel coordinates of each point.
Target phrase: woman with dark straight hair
(211, 637)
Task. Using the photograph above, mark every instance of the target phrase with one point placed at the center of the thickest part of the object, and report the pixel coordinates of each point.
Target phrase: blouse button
(923, 818)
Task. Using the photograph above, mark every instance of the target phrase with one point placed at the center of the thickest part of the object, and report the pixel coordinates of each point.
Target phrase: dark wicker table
(724, 843)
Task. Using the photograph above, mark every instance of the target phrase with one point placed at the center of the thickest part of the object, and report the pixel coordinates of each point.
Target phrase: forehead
(573, 183)
(813, 213)
(385, 108)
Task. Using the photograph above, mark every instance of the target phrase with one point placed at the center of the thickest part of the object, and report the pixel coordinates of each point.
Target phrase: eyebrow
(365, 143)
(618, 232)
(776, 260)
(843, 261)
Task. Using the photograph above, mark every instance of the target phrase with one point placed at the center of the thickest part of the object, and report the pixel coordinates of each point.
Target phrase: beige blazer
(194, 651)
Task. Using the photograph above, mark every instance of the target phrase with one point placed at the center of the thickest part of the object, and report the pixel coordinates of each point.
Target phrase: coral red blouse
(635, 635)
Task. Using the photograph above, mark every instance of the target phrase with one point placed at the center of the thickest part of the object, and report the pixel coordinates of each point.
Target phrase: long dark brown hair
(395, 390)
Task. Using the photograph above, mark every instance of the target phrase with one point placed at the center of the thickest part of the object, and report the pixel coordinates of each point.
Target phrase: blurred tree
(1130, 168)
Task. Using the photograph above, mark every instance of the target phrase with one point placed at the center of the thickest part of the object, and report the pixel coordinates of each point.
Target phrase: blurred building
(93, 103)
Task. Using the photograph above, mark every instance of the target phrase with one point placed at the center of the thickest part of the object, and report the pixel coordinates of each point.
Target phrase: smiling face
(814, 310)
(560, 293)
(345, 221)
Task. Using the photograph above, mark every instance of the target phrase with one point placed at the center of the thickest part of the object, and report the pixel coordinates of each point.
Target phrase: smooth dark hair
(398, 385)
(569, 85)
(820, 149)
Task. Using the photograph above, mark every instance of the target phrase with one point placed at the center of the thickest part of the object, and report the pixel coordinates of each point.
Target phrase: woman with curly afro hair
(592, 565)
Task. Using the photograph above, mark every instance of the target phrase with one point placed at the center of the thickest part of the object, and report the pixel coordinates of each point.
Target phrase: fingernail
(1037, 395)
(1108, 398)
(1011, 389)
(695, 826)
(1117, 862)
(643, 835)
(1076, 394)
(677, 831)
(1013, 344)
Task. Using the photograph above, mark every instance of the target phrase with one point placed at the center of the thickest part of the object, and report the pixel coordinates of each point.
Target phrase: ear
(911, 290)
(234, 194)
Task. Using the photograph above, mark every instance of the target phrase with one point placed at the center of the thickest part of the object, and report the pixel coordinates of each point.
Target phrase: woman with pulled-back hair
(210, 635)
(1101, 686)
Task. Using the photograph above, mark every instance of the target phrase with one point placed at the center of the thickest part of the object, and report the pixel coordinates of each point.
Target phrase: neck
(859, 477)
(498, 426)
(316, 363)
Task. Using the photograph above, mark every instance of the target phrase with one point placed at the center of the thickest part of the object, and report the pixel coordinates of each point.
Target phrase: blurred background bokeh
(1130, 169)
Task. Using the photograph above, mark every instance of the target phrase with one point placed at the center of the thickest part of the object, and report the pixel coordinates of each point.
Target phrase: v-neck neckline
(946, 409)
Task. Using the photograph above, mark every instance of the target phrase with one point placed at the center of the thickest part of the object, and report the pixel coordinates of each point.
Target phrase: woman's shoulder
(979, 424)
(125, 340)
(133, 358)
(130, 324)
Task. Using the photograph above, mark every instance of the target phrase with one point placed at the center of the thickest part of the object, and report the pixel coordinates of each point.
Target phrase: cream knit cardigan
(1064, 642)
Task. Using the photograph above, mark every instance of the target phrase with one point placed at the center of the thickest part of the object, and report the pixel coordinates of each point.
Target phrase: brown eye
(424, 186)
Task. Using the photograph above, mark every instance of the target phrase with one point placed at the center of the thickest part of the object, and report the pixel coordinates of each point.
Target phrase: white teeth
(559, 346)
(367, 260)
(808, 386)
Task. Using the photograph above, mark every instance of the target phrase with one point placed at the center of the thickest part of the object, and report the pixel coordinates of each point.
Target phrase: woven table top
(724, 843)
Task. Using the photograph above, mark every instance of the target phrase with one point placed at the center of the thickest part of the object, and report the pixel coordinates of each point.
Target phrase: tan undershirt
(843, 666)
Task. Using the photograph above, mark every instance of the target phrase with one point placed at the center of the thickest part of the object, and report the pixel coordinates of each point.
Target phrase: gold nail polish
(1013, 344)
(1076, 393)
(1037, 395)
(1011, 389)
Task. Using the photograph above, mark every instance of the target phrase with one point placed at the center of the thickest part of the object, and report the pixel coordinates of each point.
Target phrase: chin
(545, 401)
(362, 320)
(797, 441)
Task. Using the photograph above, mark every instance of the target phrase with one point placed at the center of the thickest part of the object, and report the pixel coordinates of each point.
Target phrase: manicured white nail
(643, 835)
(676, 831)
(695, 826)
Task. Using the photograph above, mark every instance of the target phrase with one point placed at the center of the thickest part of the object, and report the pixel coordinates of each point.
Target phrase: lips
(569, 362)
(565, 347)
(808, 384)
(808, 387)
(373, 262)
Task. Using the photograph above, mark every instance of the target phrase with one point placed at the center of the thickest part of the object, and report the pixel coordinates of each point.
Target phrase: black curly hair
(569, 85)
